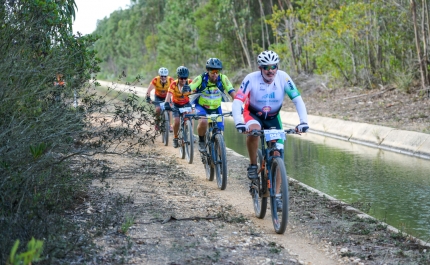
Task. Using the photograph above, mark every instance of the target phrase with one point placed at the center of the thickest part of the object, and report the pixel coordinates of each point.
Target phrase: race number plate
(186, 109)
(274, 135)
(214, 118)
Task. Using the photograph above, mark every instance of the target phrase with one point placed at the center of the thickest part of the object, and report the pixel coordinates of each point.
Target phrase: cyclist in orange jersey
(178, 92)
(161, 84)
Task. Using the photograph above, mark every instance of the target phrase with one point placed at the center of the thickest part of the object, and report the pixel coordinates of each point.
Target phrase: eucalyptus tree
(234, 31)
(176, 35)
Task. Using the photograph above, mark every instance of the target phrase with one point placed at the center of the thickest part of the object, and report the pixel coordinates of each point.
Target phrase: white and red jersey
(265, 99)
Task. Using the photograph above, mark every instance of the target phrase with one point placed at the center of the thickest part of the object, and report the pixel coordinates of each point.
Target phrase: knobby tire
(221, 162)
(189, 141)
(209, 168)
(166, 128)
(259, 198)
(280, 219)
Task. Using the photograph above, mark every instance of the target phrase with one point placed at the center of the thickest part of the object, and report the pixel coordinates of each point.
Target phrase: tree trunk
(241, 39)
(424, 32)
(262, 24)
(417, 44)
(290, 34)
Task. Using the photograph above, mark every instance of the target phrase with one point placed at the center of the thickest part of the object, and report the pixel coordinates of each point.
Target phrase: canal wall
(386, 138)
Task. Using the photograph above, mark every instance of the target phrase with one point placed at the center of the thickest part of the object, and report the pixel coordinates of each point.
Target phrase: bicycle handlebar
(261, 132)
(205, 116)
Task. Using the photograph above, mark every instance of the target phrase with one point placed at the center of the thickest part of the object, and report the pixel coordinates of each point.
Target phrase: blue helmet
(182, 72)
(213, 63)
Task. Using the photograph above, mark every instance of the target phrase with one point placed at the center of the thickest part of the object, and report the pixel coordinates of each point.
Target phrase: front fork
(266, 188)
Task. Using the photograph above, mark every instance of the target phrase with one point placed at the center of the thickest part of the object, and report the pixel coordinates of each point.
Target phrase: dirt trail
(295, 239)
(320, 231)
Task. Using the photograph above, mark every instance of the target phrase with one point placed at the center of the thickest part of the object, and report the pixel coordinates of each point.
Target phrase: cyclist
(211, 84)
(161, 84)
(263, 93)
(178, 93)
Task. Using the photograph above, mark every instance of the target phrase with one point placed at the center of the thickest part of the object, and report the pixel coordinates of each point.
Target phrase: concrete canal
(389, 186)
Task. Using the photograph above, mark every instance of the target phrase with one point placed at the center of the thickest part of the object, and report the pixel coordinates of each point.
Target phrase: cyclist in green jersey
(211, 85)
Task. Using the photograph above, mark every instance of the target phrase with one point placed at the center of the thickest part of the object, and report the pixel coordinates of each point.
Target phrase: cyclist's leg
(252, 123)
(202, 126)
(176, 119)
(221, 123)
(157, 102)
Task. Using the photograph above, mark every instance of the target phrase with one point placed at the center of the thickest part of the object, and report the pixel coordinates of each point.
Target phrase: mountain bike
(185, 136)
(164, 124)
(215, 156)
(270, 161)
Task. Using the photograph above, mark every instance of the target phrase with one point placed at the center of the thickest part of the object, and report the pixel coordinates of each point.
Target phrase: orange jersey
(177, 96)
(161, 89)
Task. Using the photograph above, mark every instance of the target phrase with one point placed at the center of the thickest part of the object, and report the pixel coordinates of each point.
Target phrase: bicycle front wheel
(209, 166)
(220, 162)
(258, 189)
(279, 216)
(165, 130)
(189, 141)
(181, 141)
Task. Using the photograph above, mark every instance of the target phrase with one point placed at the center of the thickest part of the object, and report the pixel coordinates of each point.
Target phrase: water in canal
(391, 187)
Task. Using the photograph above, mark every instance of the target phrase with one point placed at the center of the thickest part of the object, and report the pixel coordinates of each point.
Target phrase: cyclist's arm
(237, 111)
(150, 88)
(170, 92)
(195, 83)
(294, 95)
(168, 97)
(228, 86)
(301, 109)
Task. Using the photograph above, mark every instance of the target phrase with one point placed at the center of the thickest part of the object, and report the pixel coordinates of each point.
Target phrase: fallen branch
(172, 218)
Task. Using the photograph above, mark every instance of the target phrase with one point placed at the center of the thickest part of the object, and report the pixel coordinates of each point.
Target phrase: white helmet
(163, 71)
(267, 58)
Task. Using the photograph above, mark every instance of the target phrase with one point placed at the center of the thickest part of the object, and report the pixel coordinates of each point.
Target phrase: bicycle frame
(268, 149)
(213, 130)
(214, 155)
(271, 166)
(183, 117)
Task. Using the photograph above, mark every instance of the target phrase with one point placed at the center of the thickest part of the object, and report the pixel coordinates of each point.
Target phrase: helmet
(267, 57)
(213, 63)
(163, 71)
(182, 71)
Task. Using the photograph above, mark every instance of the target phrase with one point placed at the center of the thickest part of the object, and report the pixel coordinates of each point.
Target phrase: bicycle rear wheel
(258, 189)
(220, 162)
(165, 130)
(188, 141)
(280, 219)
(209, 166)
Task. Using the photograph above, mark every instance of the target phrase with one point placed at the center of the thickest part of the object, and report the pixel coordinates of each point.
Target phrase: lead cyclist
(263, 93)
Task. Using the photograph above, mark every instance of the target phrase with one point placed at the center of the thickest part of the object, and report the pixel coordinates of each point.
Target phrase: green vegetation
(353, 43)
(33, 253)
(50, 135)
